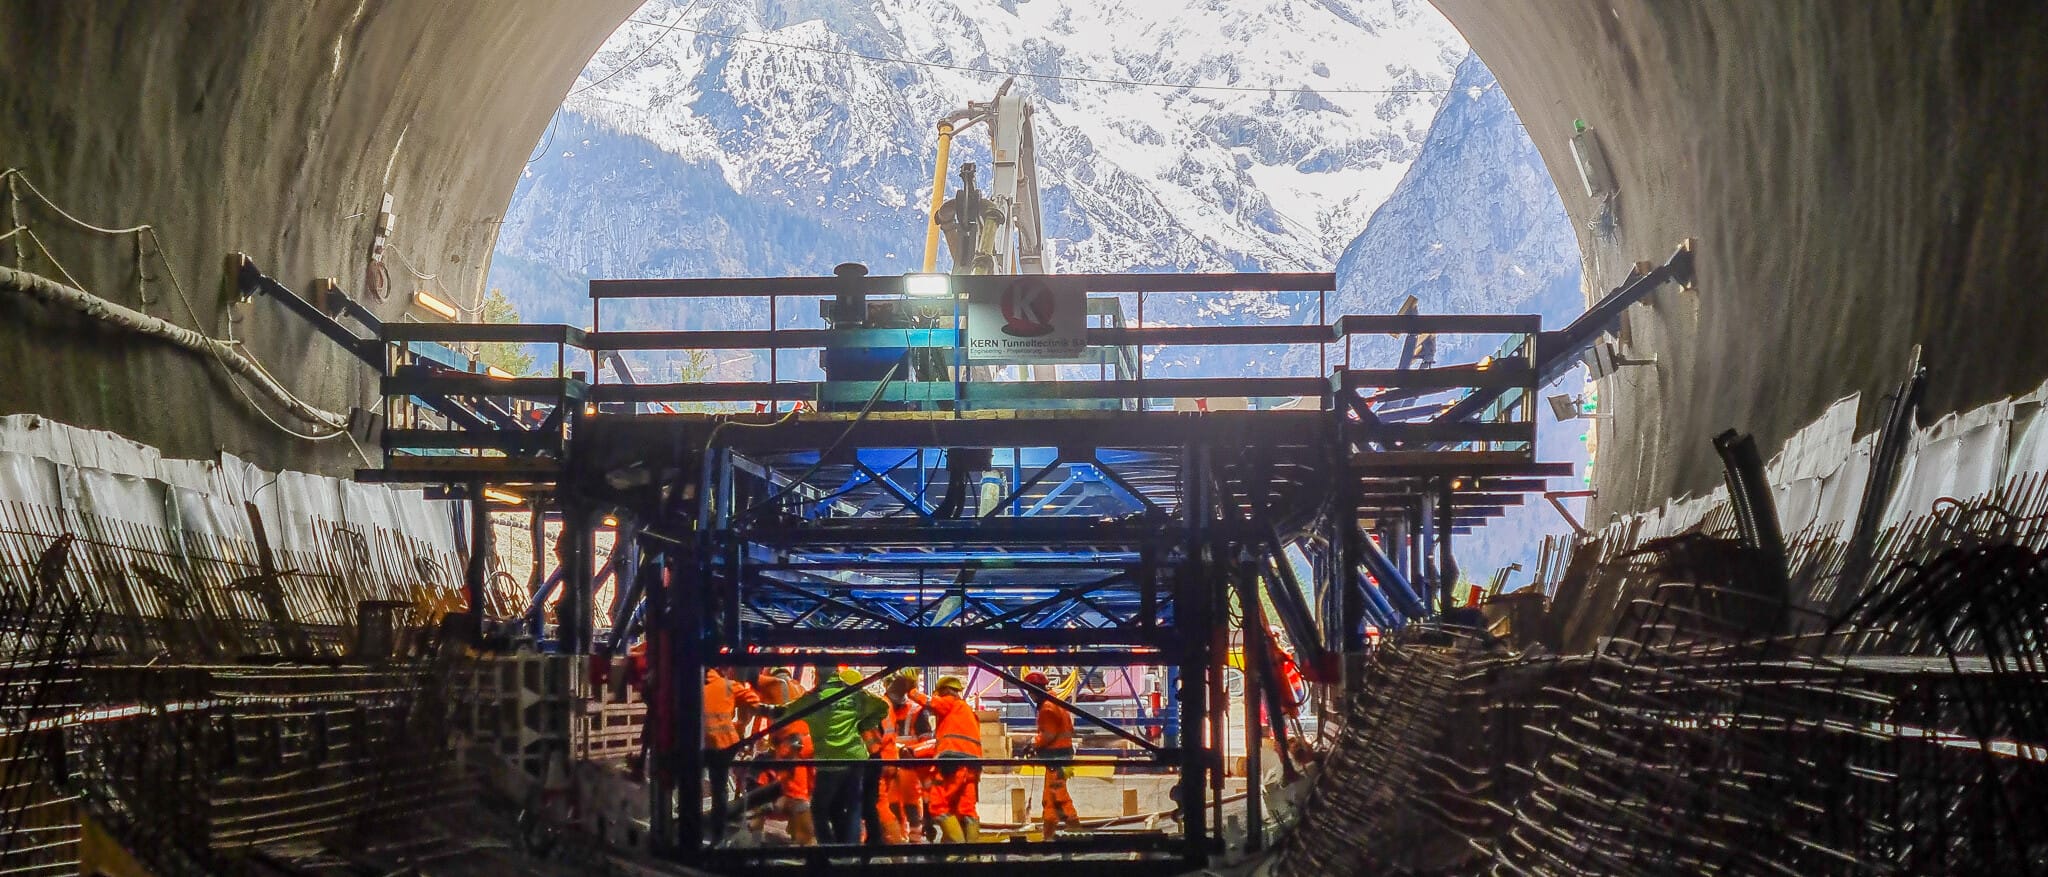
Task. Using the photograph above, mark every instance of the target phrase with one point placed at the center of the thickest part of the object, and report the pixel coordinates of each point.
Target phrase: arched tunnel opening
(297, 576)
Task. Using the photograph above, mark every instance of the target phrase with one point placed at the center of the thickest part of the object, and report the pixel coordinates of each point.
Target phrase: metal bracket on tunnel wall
(376, 278)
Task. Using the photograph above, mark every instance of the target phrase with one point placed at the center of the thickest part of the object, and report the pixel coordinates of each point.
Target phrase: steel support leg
(477, 571)
(1192, 606)
(1254, 634)
(1425, 553)
(1350, 588)
(686, 681)
(656, 734)
(574, 608)
(1447, 566)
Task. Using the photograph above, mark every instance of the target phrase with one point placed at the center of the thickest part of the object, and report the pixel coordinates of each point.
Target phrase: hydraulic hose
(49, 291)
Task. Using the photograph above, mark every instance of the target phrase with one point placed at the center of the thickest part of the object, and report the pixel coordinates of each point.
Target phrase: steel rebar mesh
(1701, 724)
(1389, 755)
(201, 703)
(41, 628)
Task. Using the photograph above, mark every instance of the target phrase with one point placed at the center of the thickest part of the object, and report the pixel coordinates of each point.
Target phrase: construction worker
(794, 741)
(789, 740)
(909, 724)
(727, 704)
(776, 687)
(724, 698)
(1055, 740)
(879, 820)
(954, 795)
(837, 738)
(877, 828)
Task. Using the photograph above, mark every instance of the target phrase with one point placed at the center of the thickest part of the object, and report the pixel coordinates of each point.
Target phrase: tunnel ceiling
(1860, 178)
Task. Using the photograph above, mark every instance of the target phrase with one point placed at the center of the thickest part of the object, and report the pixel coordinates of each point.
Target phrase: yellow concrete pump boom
(1016, 239)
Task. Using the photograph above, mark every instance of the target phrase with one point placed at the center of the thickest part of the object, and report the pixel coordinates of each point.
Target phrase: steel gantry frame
(943, 519)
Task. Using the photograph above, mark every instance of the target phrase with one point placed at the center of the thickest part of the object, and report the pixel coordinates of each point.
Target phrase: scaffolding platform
(950, 514)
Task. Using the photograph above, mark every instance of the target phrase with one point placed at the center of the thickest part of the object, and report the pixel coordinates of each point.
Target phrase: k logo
(1027, 309)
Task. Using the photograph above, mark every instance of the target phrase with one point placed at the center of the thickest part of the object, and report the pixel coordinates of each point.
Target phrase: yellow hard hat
(952, 682)
(850, 676)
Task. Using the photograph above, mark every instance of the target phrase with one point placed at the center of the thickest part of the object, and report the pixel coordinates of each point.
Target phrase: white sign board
(1033, 318)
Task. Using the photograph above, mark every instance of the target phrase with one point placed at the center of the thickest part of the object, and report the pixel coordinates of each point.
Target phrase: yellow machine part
(931, 229)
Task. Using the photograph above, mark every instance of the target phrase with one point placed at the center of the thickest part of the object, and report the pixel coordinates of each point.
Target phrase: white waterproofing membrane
(124, 495)
(1818, 477)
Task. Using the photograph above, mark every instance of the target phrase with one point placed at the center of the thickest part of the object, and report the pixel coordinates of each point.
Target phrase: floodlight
(927, 285)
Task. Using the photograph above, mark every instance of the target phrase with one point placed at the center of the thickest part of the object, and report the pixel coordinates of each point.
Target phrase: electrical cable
(16, 175)
(713, 437)
(826, 454)
(671, 28)
(179, 288)
(548, 140)
(886, 59)
(453, 299)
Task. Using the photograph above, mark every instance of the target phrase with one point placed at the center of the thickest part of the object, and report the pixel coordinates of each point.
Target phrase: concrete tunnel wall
(1860, 178)
(274, 129)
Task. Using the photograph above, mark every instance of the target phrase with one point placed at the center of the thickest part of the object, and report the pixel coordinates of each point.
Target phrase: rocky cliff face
(1474, 227)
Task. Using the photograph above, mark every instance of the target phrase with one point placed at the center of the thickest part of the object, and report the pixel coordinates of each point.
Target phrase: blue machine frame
(1120, 528)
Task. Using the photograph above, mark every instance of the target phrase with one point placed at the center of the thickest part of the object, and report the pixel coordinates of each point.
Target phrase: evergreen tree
(503, 354)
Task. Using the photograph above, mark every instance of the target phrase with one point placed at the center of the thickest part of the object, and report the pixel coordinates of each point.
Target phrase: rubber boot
(971, 829)
(950, 831)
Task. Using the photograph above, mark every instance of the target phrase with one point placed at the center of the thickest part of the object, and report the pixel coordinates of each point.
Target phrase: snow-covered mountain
(1474, 227)
(782, 104)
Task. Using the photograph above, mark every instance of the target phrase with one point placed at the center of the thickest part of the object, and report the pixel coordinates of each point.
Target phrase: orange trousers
(1059, 805)
(956, 792)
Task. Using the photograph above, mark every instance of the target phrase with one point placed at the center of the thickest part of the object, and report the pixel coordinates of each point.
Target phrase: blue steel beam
(1399, 593)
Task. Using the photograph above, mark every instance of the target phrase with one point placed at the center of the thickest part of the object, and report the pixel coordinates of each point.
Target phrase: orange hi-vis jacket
(901, 729)
(722, 700)
(793, 740)
(773, 690)
(959, 730)
(1055, 730)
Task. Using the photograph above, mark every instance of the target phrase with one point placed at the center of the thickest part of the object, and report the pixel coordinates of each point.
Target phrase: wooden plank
(1453, 463)
(763, 339)
(1457, 499)
(1212, 335)
(1496, 375)
(1452, 431)
(1300, 431)
(448, 383)
(799, 339)
(462, 470)
(978, 393)
(1161, 388)
(458, 439)
(886, 285)
(1446, 324)
(534, 333)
